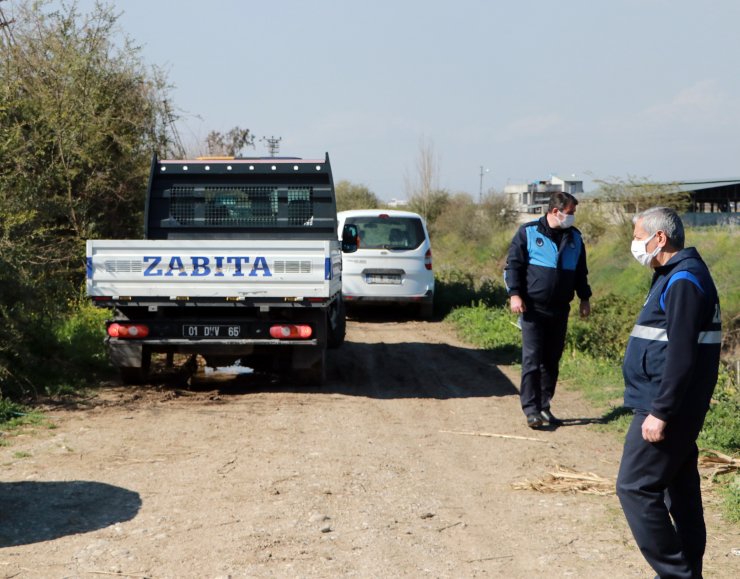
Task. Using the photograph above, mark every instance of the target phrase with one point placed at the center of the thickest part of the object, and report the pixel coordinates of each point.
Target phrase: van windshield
(389, 232)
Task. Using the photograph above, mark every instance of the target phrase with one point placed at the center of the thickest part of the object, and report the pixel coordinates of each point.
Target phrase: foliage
(10, 410)
(80, 117)
(353, 196)
(230, 144)
(593, 220)
(62, 355)
(492, 328)
(625, 197)
(430, 205)
(499, 210)
(721, 426)
(425, 196)
(79, 340)
(471, 222)
(613, 270)
(455, 288)
(604, 334)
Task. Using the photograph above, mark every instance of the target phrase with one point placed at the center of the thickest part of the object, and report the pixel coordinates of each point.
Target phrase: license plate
(211, 331)
(384, 278)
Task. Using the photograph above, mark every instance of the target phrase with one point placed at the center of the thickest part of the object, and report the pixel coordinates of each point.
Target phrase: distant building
(713, 201)
(397, 203)
(534, 197)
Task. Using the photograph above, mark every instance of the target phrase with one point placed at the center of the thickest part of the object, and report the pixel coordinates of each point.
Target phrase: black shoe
(550, 418)
(534, 421)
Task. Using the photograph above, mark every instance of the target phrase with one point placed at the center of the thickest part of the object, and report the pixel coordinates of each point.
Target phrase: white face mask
(567, 220)
(639, 250)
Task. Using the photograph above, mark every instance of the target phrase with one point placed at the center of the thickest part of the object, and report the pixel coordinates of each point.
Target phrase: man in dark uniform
(670, 370)
(545, 267)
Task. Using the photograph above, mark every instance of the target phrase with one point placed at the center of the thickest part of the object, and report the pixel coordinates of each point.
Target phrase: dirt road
(372, 476)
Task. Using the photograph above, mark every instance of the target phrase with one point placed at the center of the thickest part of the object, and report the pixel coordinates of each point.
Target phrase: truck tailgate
(212, 268)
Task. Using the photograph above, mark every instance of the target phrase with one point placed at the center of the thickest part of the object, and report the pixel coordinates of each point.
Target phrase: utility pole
(273, 144)
(480, 191)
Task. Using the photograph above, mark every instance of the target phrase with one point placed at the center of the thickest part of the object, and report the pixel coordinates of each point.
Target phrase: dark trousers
(543, 340)
(658, 482)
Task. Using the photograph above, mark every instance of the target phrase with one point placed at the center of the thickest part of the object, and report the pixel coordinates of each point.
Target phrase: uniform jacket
(672, 358)
(546, 271)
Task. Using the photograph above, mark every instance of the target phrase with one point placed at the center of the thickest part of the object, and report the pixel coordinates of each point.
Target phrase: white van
(393, 261)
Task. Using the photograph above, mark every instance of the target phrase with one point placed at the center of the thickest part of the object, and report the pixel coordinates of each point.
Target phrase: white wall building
(534, 197)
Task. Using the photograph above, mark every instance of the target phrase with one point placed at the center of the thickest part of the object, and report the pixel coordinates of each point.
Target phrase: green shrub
(454, 288)
(721, 427)
(605, 332)
(10, 410)
(59, 355)
(80, 337)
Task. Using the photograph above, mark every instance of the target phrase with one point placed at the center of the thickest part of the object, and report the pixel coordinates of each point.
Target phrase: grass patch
(454, 288)
(598, 379)
(14, 416)
(731, 498)
(490, 328)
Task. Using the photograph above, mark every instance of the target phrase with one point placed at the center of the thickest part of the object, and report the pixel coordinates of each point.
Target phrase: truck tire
(337, 323)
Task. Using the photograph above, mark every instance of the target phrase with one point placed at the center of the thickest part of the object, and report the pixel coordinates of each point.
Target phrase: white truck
(240, 262)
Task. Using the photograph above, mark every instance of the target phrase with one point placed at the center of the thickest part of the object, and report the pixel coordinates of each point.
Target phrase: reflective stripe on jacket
(672, 357)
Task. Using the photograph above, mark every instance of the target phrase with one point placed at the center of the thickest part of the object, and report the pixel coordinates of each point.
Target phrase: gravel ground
(377, 474)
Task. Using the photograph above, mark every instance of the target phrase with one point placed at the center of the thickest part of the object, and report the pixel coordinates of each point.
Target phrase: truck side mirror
(350, 238)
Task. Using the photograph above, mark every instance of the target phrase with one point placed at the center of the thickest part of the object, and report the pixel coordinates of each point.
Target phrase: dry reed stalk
(567, 480)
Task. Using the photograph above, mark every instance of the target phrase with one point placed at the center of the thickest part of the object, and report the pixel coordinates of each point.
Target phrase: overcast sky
(523, 88)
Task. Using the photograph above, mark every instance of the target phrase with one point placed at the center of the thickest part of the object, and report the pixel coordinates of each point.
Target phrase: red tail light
(428, 259)
(132, 331)
(291, 332)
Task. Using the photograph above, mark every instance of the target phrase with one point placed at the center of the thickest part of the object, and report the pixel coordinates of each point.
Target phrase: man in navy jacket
(545, 268)
(670, 370)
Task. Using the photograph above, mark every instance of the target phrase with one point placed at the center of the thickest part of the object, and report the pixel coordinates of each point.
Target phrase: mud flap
(132, 360)
(308, 365)
(125, 355)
